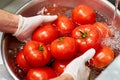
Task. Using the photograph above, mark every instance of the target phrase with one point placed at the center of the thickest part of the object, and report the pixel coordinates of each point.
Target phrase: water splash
(114, 40)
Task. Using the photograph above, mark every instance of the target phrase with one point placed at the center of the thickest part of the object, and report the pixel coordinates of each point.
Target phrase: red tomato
(45, 34)
(21, 61)
(83, 14)
(103, 57)
(64, 25)
(44, 73)
(59, 66)
(36, 53)
(87, 36)
(103, 29)
(63, 48)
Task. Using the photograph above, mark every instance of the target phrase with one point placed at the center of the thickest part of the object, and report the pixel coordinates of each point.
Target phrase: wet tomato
(63, 48)
(45, 34)
(83, 14)
(21, 61)
(59, 66)
(87, 36)
(64, 25)
(44, 73)
(36, 53)
(103, 28)
(103, 57)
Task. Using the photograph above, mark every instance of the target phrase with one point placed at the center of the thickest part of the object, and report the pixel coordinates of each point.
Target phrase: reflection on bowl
(10, 45)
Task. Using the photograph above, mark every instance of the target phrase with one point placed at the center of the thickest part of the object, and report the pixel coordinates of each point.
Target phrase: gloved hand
(77, 68)
(27, 25)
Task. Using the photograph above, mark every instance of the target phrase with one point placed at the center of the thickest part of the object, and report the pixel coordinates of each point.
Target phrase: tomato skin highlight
(103, 28)
(103, 57)
(36, 53)
(44, 73)
(21, 61)
(64, 25)
(63, 48)
(83, 14)
(45, 34)
(87, 36)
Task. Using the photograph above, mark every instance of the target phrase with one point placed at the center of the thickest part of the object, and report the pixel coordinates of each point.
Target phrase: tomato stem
(84, 34)
(41, 48)
(61, 39)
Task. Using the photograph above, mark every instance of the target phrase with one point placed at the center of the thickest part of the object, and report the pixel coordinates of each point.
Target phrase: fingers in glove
(83, 73)
(27, 25)
(88, 54)
(49, 18)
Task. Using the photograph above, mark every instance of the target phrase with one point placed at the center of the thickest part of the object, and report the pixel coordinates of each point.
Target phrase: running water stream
(114, 40)
(113, 70)
(115, 12)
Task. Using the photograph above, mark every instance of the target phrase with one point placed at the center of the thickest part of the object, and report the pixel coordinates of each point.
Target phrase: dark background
(113, 2)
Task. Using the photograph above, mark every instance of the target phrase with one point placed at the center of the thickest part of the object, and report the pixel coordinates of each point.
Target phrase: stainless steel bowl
(10, 45)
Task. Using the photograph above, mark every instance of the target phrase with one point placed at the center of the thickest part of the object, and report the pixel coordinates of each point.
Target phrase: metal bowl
(10, 45)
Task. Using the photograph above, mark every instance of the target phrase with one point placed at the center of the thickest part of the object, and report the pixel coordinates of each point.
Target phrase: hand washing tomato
(54, 45)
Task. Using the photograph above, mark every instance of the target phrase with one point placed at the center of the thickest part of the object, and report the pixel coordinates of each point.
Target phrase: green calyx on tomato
(63, 48)
(41, 48)
(87, 36)
(36, 54)
(61, 39)
(84, 34)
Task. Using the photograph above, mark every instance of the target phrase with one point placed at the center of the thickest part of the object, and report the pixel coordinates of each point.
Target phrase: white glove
(27, 25)
(77, 68)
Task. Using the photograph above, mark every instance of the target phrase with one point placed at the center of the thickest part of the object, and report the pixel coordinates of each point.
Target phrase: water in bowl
(49, 9)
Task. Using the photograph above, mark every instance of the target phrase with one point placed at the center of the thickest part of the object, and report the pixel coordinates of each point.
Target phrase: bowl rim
(21, 9)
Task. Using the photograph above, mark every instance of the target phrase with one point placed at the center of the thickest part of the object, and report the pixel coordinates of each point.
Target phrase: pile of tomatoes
(55, 44)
